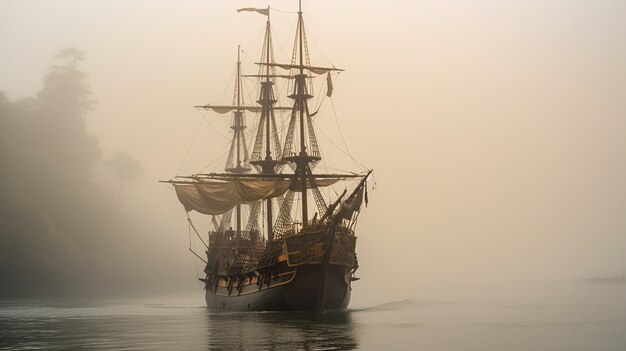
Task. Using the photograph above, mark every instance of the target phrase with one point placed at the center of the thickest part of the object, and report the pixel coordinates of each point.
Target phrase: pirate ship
(300, 258)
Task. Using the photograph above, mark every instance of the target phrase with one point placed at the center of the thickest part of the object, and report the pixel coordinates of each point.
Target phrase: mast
(266, 164)
(268, 155)
(238, 142)
(304, 157)
(301, 100)
(238, 113)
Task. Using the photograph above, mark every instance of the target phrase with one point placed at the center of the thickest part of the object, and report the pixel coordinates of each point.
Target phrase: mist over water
(182, 323)
(495, 131)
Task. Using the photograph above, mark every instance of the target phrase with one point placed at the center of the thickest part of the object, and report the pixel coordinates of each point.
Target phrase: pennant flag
(265, 12)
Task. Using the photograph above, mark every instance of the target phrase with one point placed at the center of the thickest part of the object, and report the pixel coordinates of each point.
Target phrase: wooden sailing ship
(259, 259)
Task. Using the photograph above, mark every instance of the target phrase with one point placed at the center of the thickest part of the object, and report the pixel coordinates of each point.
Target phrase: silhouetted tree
(62, 106)
(74, 54)
(59, 233)
(57, 228)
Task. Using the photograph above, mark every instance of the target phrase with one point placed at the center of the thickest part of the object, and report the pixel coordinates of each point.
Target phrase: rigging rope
(193, 262)
(362, 166)
(194, 229)
(320, 50)
(287, 35)
(222, 157)
(283, 11)
(188, 148)
(211, 125)
(232, 77)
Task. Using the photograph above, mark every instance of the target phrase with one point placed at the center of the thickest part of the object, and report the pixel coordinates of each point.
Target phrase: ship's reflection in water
(281, 331)
(41, 325)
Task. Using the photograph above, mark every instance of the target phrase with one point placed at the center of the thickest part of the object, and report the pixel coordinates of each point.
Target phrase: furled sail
(314, 69)
(223, 109)
(286, 76)
(217, 197)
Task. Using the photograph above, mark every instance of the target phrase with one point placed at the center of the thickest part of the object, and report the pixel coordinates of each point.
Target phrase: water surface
(185, 324)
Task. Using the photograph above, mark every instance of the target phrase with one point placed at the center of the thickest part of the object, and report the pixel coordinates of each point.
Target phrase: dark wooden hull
(293, 290)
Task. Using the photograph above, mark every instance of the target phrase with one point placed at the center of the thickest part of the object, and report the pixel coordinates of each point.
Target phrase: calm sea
(184, 324)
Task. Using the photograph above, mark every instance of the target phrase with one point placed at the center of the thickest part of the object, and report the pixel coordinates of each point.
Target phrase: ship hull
(296, 290)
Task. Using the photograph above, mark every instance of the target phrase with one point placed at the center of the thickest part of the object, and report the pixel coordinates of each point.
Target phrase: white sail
(217, 197)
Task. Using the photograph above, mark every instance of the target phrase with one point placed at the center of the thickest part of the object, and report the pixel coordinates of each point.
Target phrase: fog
(495, 131)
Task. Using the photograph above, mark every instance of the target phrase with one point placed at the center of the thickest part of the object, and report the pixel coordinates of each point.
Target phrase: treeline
(60, 233)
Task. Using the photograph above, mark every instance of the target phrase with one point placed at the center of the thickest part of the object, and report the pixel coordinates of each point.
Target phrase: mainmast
(267, 130)
(267, 101)
(301, 96)
(304, 157)
(301, 84)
